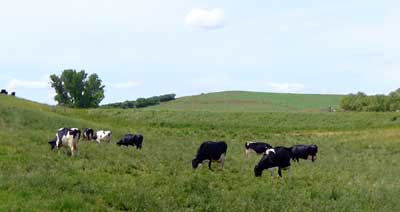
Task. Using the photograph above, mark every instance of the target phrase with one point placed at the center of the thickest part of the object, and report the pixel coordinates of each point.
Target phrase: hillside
(354, 150)
(244, 101)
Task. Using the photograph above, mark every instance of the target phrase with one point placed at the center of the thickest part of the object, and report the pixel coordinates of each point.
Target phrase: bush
(142, 102)
(374, 103)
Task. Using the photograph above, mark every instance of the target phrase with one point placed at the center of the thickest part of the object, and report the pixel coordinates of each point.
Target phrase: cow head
(195, 163)
(265, 162)
(53, 143)
(258, 171)
(312, 152)
(119, 143)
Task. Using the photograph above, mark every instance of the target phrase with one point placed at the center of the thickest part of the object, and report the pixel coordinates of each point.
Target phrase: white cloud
(26, 84)
(286, 87)
(125, 85)
(205, 19)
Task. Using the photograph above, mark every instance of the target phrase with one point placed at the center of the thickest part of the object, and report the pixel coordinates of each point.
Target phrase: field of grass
(244, 101)
(358, 165)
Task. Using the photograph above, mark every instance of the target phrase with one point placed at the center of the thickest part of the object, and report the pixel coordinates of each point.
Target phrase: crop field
(357, 169)
(245, 101)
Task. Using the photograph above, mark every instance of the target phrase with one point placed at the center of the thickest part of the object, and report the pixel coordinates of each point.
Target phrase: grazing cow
(130, 139)
(275, 157)
(88, 134)
(304, 152)
(67, 137)
(211, 151)
(4, 91)
(257, 147)
(102, 135)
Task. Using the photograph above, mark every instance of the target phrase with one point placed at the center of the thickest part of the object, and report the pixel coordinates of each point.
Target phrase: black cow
(4, 91)
(211, 151)
(275, 157)
(88, 134)
(257, 147)
(304, 152)
(131, 139)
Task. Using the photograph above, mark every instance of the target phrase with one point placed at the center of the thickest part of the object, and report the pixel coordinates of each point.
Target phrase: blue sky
(152, 47)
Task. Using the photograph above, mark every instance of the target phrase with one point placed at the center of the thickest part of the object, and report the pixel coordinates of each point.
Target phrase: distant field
(358, 165)
(243, 101)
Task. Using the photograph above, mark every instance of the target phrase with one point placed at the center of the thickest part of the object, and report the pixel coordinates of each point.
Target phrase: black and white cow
(4, 91)
(88, 134)
(67, 137)
(211, 151)
(257, 147)
(131, 139)
(103, 135)
(304, 152)
(277, 157)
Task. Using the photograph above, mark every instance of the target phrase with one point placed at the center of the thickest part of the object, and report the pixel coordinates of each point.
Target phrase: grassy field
(358, 167)
(244, 101)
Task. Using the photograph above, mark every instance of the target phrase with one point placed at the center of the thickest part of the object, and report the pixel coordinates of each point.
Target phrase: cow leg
(73, 149)
(222, 161)
(280, 172)
(209, 164)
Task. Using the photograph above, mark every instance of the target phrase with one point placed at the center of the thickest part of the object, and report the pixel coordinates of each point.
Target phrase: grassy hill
(357, 167)
(244, 101)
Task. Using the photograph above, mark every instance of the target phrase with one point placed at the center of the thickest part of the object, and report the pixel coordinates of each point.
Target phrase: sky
(142, 48)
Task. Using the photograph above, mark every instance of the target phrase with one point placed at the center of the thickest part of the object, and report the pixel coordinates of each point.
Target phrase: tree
(394, 100)
(75, 89)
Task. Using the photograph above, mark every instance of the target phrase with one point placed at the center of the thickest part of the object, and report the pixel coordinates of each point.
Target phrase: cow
(4, 91)
(276, 157)
(102, 135)
(211, 151)
(304, 152)
(88, 134)
(257, 147)
(67, 137)
(131, 139)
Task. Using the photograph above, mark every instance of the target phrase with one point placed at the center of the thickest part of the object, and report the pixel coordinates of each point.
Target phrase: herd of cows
(272, 157)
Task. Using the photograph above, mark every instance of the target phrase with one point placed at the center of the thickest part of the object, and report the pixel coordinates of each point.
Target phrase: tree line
(141, 102)
(378, 103)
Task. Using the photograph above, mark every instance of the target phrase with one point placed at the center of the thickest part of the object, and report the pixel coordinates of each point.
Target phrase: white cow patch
(103, 136)
(269, 151)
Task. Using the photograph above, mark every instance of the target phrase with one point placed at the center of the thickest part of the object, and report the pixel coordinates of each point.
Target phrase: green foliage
(141, 102)
(357, 167)
(377, 103)
(74, 89)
